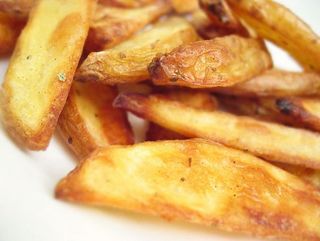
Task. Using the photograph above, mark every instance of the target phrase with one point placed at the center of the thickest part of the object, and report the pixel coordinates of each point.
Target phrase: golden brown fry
(126, 3)
(196, 99)
(200, 182)
(278, 24)
(305, 111)
(10, 28)
(128, 61)
(277, 83)
(89, 121)
(222, 17)
(20, 8)
(270, 141)
(184, 6)
(110, 25)
(41, 69)
(222, 61)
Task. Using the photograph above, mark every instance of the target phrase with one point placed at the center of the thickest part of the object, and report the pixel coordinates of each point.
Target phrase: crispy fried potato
(267, 140)
(277, 83)
(128, 61)
(307, 174)
(185, 6)
(305, 111)
(110, 25)
(200, 182)
(19, 8)
(222, 17)
(278, 24)
(196, 99)
(126, 3)
(41, 69)
(222, 61)
(10, 28)
(89, 121)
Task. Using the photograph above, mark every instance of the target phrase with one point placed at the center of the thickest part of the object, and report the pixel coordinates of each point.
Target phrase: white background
(29, 211)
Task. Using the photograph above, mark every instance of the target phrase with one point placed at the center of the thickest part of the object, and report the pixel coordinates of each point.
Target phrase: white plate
(29, 211)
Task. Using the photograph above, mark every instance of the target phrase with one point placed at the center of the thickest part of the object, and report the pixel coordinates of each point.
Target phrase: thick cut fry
(10, 28)
(110, 25)
(185, 6)
(222, 17)
(269, 141)
(89, 121)
(222, 61)
(277, 83)
(128, 61)
(200, 182)
(278, 24)
(305, 111)
(126, 3)
(41, 69)
(195, 99)
(20, 8)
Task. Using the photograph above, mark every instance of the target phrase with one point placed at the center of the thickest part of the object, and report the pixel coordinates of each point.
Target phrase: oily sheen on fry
(270, 141)
(221, 61)
(88, 120)
(41, 69)
(200, 182)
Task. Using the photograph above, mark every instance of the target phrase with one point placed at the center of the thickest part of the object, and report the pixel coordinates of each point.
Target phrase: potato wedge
(128, 61)
(88, 120)
(111, 25)
(10, 28)
(41, 69)
(222, 17)
(221, 61)
(297, 109)
(278, 24)
(126, 3)
(19, 8)
(267, 140)
(184, 6)
(200, 182)
(196, 99)
(276, 83)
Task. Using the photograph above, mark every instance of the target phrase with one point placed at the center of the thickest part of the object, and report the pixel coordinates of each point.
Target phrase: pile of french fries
(232, 141)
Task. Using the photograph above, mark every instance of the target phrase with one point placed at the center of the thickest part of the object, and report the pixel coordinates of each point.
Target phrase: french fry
(278, 24)
(196, 99)
(270, 141)
(221, 61)
(19, 8)
(88, 120)
(10, 28)
(277, 83)
(41, 69)
(128, 61)
(126, 3)
(111, 25)
(305, 111)
(222, 17)
(184, 6)
(200, 182)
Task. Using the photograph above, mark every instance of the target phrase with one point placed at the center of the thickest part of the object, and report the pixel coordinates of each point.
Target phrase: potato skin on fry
(128, 61)
(200, 182)
(41, 69)
(267, 140)
(276, 83)
(88, 120)
(19, 8)
(111, 25)
(278, 24)
(196, 99)
(10, 28)
(221, 61)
